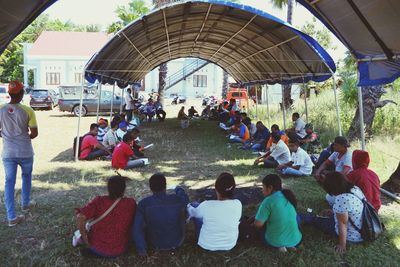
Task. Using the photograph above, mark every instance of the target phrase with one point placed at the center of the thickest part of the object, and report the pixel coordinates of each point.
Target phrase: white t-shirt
(345, 160)
(302, 159)
(299, 126)
(252, 129)
(220, 229)
(119, 134)
(128, 101)
(109, 139)
(352, 204)
(280, 152)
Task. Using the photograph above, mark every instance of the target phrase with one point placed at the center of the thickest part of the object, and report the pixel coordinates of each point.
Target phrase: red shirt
(365, 179)
(111, 235)
(88, 144)
(121, 155)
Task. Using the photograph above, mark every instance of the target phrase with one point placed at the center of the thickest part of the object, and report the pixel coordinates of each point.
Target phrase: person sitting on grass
(217, 221)
(90, 148)
(250, 126)
(240, 133)
(298, 131)
(366, 179)
(341, 159)
(277, 215)
(160, 112)
(193, 112)
(325, 154)
(310, 142)
(109, 140)
(109, 237)
(300, 164)
(347, 209)
(275, 129)
(102, 130)
(279, 154)
(259, 139)
(123, 156)
(136, 147)
(160, 218)
(206, 113)
(183, 118)
(121, 131)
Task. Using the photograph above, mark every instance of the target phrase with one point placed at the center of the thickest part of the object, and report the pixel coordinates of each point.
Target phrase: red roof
(83, 44)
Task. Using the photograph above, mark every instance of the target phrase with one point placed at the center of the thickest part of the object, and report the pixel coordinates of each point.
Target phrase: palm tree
(287, 89)
(127, 14)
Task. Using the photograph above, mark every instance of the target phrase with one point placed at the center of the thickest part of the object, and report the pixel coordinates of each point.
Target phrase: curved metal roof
(16, 15)
(251, 45)
(369, 29)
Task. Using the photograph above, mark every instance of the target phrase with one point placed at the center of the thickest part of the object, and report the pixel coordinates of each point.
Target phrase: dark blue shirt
(262, 135)
(160, 221)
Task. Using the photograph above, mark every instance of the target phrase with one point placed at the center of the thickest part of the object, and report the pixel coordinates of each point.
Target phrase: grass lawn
(193, 157)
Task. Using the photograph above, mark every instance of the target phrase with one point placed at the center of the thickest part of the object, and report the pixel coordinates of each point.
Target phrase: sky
(102, 12)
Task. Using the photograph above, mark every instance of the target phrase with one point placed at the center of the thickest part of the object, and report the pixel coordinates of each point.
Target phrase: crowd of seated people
(158, 221)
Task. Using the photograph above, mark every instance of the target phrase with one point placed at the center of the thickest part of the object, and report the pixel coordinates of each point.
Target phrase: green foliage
(127, 14)
(349, 94)
(279, 3)
(323, 35)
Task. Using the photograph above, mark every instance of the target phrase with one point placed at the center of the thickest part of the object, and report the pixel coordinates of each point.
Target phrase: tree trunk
(290, 11)
(224, 84)
(393, 184)
(371, 101)
(287, 96)
(162, 77)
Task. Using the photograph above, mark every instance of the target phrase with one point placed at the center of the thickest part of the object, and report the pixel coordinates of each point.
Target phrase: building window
(52, 78)
(78, 78)
(199, 80)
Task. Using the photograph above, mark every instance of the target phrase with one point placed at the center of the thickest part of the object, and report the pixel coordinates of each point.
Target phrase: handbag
(77, 234)
(371, 226)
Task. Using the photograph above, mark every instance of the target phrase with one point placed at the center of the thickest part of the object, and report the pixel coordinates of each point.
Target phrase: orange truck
(240, 95)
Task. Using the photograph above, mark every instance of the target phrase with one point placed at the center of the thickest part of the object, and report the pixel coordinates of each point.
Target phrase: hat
(341, 140)
(123, 124)
(309, 126)
(14, 87)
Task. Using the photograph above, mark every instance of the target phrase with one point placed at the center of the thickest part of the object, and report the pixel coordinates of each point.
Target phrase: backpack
(371, 226)
(79, 145)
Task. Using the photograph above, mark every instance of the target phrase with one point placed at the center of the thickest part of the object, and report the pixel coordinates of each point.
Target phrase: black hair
(225, 185)
(135, 130)
(127, 138)
(336, 183)
(17, 95)
(114, 124)
(294, 141)
(237, 112)
(243, 114)
(93, 125)
(158, 182)
(259, 122)
(247, 121)
(296, 114)
(116, 186)
(276, 137)
(276, 183)
(237, 121)
(129, 90)
(275, 126)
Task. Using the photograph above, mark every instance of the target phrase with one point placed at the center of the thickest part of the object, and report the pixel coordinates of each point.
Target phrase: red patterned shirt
(110, 236)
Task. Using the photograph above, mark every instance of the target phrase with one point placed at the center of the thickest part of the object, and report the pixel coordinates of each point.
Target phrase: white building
(58, 58)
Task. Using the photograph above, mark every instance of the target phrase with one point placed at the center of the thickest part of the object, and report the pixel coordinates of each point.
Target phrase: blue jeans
(236, 139)
(292, 172)
(257, 147)
(325, 224)
(10, 169)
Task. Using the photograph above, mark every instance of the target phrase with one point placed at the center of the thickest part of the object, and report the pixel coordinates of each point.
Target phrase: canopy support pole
(112, 102)
(361, 110)
(283, 108)
(79, 119)
(122, 101)
(256, 102)
(98, 101)
(266, 98)
(337, 105)
(304, 85)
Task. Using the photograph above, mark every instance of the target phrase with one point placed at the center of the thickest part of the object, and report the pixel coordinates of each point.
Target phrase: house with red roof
(58, 58)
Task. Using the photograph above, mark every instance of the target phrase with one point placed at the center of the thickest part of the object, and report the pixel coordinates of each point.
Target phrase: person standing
(128, 105)
(18, 127)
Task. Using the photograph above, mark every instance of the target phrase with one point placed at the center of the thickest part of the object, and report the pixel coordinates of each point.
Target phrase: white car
(4, 96)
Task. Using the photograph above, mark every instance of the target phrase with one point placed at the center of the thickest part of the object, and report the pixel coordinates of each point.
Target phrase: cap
(14, 87)
(341, 140)
(123, 124)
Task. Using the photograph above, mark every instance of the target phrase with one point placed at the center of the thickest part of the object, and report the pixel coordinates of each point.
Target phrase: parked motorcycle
(178, 100)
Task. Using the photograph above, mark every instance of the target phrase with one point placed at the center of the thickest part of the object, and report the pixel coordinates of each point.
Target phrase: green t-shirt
(281, 224)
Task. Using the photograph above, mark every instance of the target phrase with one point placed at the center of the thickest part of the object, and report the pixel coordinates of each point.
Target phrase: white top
(109, 139)
(300, 127)
(352, 204)
(280, 152)
(302, 159)
(119, 134)
(252, 129)
(128, 101)
(344, 160)
(220, 229)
